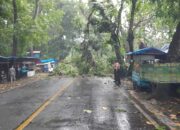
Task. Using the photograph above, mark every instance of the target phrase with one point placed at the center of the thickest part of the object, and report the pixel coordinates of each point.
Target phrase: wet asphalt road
(87, 104)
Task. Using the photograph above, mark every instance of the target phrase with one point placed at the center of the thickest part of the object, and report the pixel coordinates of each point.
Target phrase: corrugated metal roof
(165, 48)
(147, 51)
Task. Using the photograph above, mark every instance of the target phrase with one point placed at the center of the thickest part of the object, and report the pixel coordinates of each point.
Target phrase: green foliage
(102, 68)
(161, 128)
(59, 23)
(74, 65)
(30, 32)
(65, 69)
(83, 67)
(72, 23)
(168, 9)
(155, 22)
(5, 26)
(111, 59)
(167, 14)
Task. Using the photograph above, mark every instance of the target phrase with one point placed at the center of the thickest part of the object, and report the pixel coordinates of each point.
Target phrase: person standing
(117, 73)
(24, 70)
(12, 73)
(18, 72)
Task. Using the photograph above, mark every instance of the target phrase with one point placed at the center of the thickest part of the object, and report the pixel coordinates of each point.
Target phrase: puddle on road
(120, 110)
(87, 111)
(68, 98)
(55, 123)
(123, 121)
(66, 124)
(104, 108)
(78, 127)
(73, 98)
(78, 97)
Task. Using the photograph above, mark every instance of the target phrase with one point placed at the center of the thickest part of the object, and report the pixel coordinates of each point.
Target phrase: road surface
(70, 104)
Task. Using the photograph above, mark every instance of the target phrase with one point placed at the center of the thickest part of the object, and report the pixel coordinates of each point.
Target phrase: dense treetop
(59, 28)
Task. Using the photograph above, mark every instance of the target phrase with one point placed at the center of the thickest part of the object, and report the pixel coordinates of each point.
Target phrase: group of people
(13, 73)
(17, 72)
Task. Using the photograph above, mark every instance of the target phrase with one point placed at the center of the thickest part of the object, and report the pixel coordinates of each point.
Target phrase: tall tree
(36, 11)
(15, 17)
(119, 18)
(105, 23)
(86, 53)
(130, 37)
(5, 27)
(169, 12)
(174, 49)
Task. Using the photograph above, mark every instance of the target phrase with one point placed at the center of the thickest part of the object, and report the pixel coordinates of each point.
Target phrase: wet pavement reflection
(87, 104)
(91, 104)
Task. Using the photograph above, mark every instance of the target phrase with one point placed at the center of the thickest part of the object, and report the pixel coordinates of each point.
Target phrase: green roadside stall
(148, 69)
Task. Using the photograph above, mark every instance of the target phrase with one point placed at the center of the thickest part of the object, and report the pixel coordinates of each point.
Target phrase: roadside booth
(4, 67)
(143, 60)
(47, 65)
(25, 66)
(29, 64)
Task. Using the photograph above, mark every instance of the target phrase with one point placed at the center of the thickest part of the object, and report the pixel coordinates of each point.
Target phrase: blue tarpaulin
(48, 60)
(147, 51)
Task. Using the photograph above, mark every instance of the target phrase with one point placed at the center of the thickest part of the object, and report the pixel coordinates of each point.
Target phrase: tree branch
(36, 11)
(119, 28)
(136, 25)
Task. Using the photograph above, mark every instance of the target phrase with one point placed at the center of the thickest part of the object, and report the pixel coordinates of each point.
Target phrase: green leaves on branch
(29, 31)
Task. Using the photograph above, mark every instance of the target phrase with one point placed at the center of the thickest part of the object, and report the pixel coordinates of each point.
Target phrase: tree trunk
(36, 11)
(130, 40)
(86, 53)
(130, 37)
(119, 18)
(117, 52)
(174, 49)
(115, 34)
(14, 46)
(115, 40)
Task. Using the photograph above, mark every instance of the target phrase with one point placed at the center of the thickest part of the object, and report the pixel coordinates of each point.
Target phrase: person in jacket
(12, 74)
(116, 66)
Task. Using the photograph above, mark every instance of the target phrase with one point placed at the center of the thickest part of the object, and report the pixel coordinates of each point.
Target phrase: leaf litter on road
(104, 108)
(120, 110)
(149, 123)
(173, 116)
(87, 111)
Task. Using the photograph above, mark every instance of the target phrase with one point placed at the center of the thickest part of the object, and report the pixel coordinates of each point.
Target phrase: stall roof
(147, 51)
(18, 59)
(31, 59)
(3, 59)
